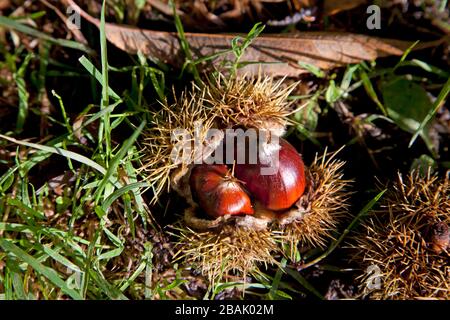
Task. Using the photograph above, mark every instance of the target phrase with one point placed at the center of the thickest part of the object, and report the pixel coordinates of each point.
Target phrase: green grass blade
(19, 77)
(59, 258)
(405, 54)
(104, 130)
(276, 281)
(185, 44)
(371, 91)
(50, 274)
(354, 222)
(319, 73)
(13, 24)
(65, 153)
(118, 193)
(303, 282)
(239, 48)
(137, 193)
(63, 111)
(20, 205)
(436, 105)
(116, 160)
(50, 232)
(146, 261)
(17, 283)
(427, 67)
(111, 291)
(96, 74)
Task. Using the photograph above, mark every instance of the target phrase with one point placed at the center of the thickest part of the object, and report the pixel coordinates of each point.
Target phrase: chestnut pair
(223, 191)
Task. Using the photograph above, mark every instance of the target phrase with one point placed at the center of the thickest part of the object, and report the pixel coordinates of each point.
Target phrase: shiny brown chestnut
(218, 192)
(280, 190)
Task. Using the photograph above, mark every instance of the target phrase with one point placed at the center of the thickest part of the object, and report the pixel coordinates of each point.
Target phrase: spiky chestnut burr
(259, 103)
(256, 239)
(406, 239)
(187, 115)
(225, 248)
(317, 215)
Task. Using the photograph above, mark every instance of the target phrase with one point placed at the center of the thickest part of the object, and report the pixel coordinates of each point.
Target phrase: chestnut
(278, 191)
(218, 192)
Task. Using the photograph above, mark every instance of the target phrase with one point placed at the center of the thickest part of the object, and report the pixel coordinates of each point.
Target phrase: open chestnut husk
(406, 241)
(297, 207)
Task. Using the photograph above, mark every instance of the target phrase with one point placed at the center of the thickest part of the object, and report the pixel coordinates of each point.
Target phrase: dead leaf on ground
(5, 4)
(332, 7)
(163, 7)
(278, 54)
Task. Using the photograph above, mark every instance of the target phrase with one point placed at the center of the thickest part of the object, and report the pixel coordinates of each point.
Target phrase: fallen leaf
(277, 55)
(332, 7)
(163, 7)
(5, 4)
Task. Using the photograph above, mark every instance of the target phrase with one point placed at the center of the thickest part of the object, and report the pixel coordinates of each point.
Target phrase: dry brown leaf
(5, 4)
(332, 7)
(279, 54)
(163, 7)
